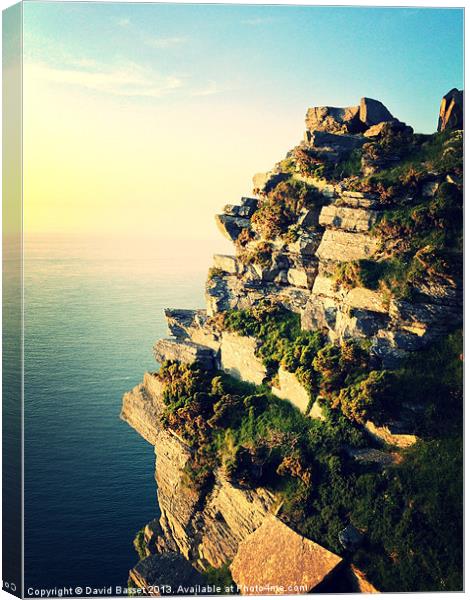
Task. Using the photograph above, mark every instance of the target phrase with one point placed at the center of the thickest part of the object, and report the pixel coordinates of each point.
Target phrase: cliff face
(347, 234)
(205, 528)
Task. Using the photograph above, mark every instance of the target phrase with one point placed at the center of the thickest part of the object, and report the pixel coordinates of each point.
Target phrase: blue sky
(290, 56)
(146, 119)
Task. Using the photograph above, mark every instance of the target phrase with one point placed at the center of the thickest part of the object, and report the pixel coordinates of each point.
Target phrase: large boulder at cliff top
(334, 120)
(451, 111)
(372, 112)
(349, 120)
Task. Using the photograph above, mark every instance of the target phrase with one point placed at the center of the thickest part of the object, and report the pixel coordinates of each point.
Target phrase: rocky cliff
(346, 267)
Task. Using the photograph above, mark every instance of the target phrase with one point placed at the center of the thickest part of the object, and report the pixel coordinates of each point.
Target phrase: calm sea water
(90, 325)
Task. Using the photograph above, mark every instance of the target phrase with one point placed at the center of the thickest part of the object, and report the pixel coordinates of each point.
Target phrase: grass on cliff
(280, 209)
(410, 513)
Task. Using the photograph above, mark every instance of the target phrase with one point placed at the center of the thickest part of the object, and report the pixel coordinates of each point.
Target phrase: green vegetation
(221, 577)
(261, 254)
(410, 513)
(280, 208)
(139, 544)
(413, 516)
(421, 236)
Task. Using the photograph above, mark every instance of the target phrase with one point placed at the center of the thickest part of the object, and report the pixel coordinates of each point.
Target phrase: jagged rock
(192, 325)
(348, 219)
(357, 323)
(307, 243)
(372, 112)
(205, 529)
(185, 352)
(328, 190)
(264, 182)
(386, 128)
(230, 515)
(178, 504)
(153, 532)
(143, 406)
(278, 557)
(345, 246)
(334, 120)
(249, 202)
(264, 273)
(245, 210)
(319, 313)
(291, 389)
(308, 217)
(416, 317)
(180, 321)
(228, 292)
(231, 227)
(393, 434)
(451, 111)
(238, 358)
(303, 278)
(166, 575)
(356, 200)
(226, 263)
(365, 299)
(334, 143)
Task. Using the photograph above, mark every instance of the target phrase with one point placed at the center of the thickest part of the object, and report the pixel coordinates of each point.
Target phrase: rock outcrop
(165, 575)
(451, 111)
(302, 267)
(204, 529)
(277, 560)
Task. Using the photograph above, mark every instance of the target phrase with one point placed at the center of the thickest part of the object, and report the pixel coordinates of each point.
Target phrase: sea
(92, 315)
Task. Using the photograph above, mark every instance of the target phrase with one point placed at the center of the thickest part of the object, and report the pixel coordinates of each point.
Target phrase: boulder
(334, 120)
(451, 111)
(372, 112)
(348, 219)
(230, 226)
(143, 406)
(292, 390)
(306, 243)
(335, 143)
(303, 278)
(264, 182)
(226, 263)
(238, 358)
(345, 246)
(185, 352)
(234, 210)
(277, 559)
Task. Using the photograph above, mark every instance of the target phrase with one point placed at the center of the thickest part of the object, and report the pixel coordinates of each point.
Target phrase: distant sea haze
(90, 324)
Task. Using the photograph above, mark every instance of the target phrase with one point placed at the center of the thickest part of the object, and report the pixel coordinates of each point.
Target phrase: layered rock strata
(299, 272)
(204, 529)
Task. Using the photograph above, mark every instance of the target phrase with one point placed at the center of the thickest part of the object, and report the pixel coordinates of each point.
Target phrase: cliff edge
(311, 394)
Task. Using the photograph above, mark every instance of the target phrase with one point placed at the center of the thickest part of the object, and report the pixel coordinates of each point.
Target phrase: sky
(143, 120)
